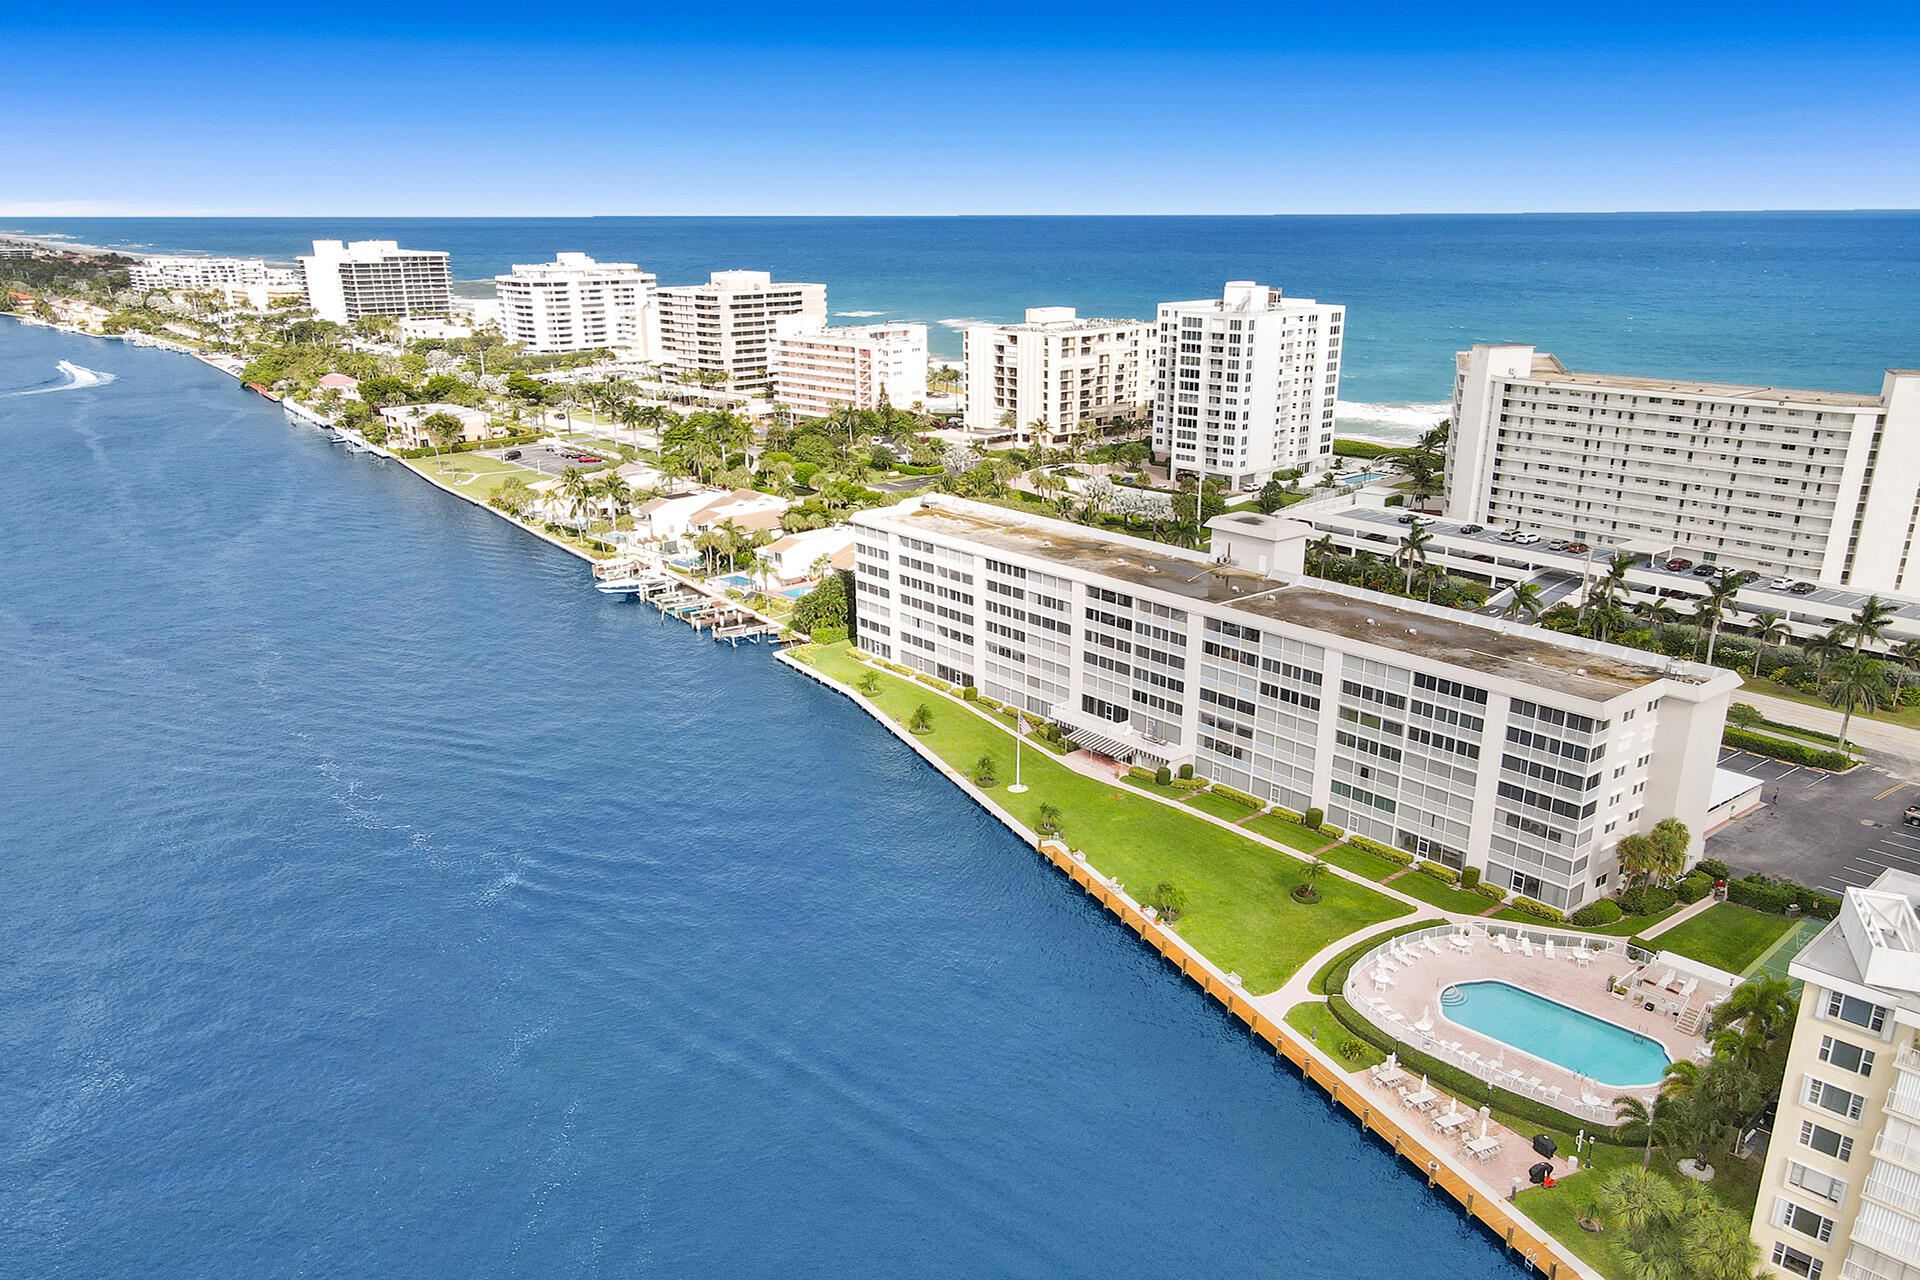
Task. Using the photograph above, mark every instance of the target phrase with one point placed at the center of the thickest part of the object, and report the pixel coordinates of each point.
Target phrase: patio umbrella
(1426, 1019)
(1393, 1059)
(1423, 1082)
(1486, 1116)
(1498, 1060)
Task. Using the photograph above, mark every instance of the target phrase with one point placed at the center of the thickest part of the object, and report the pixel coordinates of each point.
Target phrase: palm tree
(1768, 629)
(1714, 607)
(573, 487)
(1851, 683)
(1320, 550)
(617, 494)
(1657, 613)
(1825, 647)
(1905, 658)
(1412, 554)
(1637, 1114)
(1606, 618)
(1523, 600)
(1870, 621)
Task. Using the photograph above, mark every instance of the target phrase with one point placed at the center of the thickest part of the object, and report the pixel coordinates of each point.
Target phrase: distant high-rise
(1054, 376)
(1245, 384)
(726, 326)
(818, 369)
(576, 304)
(375, 278)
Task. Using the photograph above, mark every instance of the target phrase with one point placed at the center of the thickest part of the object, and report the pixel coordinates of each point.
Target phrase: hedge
(1538, 910)
(1485, 890)
(1189, 784)
(469, 446)
(827, 635)
(1647, 899)
(1765, 893)
(1694, 886)
(1445, 875)
(1744, 716)
(1399, 857)
(1238, 796)
(1761, 744)
(1140, 773)
(1594, 914)
(1468, 1088)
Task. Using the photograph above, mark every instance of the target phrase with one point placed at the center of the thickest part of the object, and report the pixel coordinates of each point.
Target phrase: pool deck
(1416, 993)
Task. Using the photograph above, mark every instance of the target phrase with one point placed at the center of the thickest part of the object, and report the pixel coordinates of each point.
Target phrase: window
(1798, 1218)
(1833, 1098)
(1828, 1143)
(1861, 1013)
(1848, 1057)
(1813, 1182)
(1787, 1258)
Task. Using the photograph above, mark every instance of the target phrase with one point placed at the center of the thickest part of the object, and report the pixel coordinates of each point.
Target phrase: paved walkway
(1685, 913)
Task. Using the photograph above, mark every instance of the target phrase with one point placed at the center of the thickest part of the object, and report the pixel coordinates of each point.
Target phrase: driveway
(1825, 830)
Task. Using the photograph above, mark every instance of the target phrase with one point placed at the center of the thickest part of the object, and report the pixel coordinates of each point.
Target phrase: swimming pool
(1580, 1042)
(1364, 477)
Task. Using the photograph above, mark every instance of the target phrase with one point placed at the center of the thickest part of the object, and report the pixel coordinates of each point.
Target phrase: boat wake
(72, 378)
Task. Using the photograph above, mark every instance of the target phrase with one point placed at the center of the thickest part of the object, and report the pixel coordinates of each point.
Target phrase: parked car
(1473, 528)
(511, 454)
(1526, 539)
(1706, 571)
(1408, 518)
(1781, 584)
(1679, 565)
(1559, 544)
(588, 457)
(1578, 548)
(1803, 588)
(1485, 559)
(1508, 535)
(1912, 816)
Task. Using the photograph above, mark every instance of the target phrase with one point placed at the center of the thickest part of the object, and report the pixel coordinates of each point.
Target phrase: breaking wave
(1396, 423)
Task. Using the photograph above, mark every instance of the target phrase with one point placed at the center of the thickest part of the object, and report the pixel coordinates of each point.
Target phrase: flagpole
(1019, 723)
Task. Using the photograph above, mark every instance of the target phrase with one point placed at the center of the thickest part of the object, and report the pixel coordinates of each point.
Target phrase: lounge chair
(1500, 940)
(1526, 946)
(1433, 945)
(1664, 979)
(1549, 948)
(1687, 987)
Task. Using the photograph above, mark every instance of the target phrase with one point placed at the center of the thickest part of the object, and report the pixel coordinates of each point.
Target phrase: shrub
(1312, 819)
(986, 771)
(1492, 891)
(1469, 877)
(868, 683)
(1647, 899)
(1538, 910)
(970, 694)
(1765, 893)
(1163, 776)
(1140, 773)
(1238, 796)
(1800, 753)
(1715, 868)
(1695, 886)
(1169, 899)
(1597, 913)
(1445, 875)
(921, 721)
(1352, 1049)
(1400, 857)
(1190, 784)
(827, 635)
(1186, 771)
(1742, 714)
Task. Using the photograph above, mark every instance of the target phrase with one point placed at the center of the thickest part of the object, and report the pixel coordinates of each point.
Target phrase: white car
(1526, 539)
(1780, 584)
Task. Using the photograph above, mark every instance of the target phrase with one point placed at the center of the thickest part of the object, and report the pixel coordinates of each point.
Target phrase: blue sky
(562, 108)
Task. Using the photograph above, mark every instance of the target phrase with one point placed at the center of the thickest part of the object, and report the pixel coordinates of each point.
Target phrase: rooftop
(1522, 653)
(1548, 368)
(1874, 942)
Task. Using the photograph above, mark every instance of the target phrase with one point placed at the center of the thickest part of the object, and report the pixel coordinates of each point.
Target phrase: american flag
(1024, 726)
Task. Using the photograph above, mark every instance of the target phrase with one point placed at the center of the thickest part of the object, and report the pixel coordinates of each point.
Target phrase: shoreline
(1517, 1232)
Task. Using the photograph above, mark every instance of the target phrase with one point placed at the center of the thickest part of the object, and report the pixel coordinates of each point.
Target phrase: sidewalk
(1684, 914)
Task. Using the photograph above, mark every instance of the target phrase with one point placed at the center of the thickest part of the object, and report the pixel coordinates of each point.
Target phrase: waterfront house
(406, 424)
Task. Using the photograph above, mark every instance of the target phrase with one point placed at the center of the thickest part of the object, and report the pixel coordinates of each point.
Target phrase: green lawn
(1219, 807)
(1445, 897)
(1241, 914)
(1295, 836)
(1624, 927)
(1727, 936)
(1314, 1021)
(1360, 862)
(471, 473)
(1908, 716)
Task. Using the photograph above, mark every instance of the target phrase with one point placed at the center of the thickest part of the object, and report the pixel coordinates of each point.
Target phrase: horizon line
(586, 217)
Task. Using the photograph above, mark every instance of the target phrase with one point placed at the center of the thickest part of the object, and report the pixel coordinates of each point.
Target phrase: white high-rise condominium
(1245, 384)
(576, 304)
(1055, 376)
(726, 326)
(375, 278)
(819, 369)
(1840, 1192)
(236, 280)
(1464, 740)
(1811, 484)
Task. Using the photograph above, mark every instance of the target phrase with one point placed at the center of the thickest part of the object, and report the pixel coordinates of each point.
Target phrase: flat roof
(1459, 640)
(1548, 368)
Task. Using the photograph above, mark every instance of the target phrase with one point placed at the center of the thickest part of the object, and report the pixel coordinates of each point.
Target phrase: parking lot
(541, 458)
(1825, 830)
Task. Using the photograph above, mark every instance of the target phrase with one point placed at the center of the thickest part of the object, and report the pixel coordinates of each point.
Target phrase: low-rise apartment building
(1840, 1194)
(726, 326)
(817, 369)
(576, 304)
(1245, 384)
(1055, 376)
(1822, 485)
(238, 282)
(1464, 740)
(375, 278)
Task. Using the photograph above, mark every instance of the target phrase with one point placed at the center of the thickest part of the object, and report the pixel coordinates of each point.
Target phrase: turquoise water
(1364, 477)
(1551, 1031)
(1824, 300)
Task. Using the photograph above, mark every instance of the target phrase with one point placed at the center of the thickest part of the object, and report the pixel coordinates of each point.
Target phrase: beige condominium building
(817, 369)
(1055, 376)
(1245, 384)
(238, 281)
(1465, 740)
(1840, 1195)
(1821, 485)
(375, 278)
(726, 326)
(576, 304)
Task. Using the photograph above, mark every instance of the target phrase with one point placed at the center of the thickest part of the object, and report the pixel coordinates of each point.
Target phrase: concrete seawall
(1441, 1168)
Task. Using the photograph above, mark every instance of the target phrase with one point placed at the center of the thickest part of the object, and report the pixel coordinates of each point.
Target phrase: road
(1900, 744)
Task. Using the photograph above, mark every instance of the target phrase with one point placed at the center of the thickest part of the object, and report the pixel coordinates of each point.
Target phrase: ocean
(381, 901)
(1821, 300)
